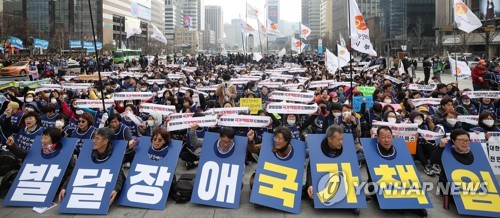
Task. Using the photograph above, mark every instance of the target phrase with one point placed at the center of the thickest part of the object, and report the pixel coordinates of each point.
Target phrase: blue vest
(98, 118)
(121, 134)
(240, 90)
(86, 135)
(295, 132)
(25, 140)
(132, 126)
(48, 121)
(14, 119)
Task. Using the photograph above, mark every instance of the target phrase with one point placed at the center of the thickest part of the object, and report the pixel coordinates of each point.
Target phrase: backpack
(182, 189)
(8, 162)
(7, 182)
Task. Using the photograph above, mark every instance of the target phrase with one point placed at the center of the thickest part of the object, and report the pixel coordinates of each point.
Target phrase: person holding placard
(102, 150)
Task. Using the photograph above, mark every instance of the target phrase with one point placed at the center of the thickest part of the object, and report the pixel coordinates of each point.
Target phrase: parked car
(18, 69)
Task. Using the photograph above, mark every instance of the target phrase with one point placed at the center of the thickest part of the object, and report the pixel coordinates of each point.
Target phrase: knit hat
(14, 105)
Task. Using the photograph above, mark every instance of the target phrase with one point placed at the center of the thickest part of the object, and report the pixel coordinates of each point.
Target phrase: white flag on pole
(282, 52)
(132, 26)
(360, 35)
(263, 29)
(252, 12)
(344, 56)
(247, 28)
(401, 68)
(331, 61)
(272, 28)
(342, 41)
(465, 19)
(297, 45)
(158, 35)
(257, 56)
(461, 69)
(304, 31)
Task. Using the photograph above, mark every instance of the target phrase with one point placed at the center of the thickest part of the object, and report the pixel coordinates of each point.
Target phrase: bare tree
(417, 35)
(489, 35)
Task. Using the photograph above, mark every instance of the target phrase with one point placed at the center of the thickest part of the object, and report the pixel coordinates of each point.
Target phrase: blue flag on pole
(335, 179)
(219, 176)
(16, 42)
(150, 175)
(40, 175)
(39, 43)
(278, 182)
(75, 43)
(91, 183)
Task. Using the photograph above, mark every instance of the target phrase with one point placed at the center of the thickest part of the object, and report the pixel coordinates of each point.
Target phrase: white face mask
(151, 122)
(29, 109)
(291, 122)
(79, 112)
(387, 101)
(53, 101)
(488, 122)
(468, 103)
(451, 121)
(181, 82)
(419, 122)
(337, 114)
(346, 114)
(144, 89)
(335, 100)
(391, 120)
(59, 123)
(28, 100)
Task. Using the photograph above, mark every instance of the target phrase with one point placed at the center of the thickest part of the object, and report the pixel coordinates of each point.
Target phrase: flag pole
(260, 41)
(300, 37)
(455, 26)
(350, 50)
(267, 27)
(97, 57)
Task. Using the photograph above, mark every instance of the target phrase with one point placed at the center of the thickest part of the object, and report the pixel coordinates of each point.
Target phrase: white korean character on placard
(35, 181)
(89, 197)
(147, 194)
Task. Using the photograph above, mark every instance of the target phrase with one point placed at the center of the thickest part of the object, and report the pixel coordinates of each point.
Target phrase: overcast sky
(289, 9)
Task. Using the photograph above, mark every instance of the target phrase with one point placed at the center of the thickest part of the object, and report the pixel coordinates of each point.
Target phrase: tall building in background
(311, 17)
(195, 9)
(340, 24)
(234, 35)
(37, 13)
(11, 11)
(273, 11)
(174, 17)
(214, 19)
(326, 20)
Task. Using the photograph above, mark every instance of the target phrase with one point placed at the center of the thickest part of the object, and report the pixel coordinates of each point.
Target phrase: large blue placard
(358, 100)
(278, 183)
(475, 187)
(149, 181)
(40, 175)
(335, 179)
(91, 183)
(397, 183)
(219, 176)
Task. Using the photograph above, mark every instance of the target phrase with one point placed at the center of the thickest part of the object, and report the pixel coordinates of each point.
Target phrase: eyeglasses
(82, 121)
(157, 140)
(463, 141)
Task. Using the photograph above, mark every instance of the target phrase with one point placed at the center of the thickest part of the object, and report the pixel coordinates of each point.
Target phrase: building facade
(174, 17)
(214, 19)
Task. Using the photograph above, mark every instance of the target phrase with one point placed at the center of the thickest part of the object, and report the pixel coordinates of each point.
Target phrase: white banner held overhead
(272, 85)
(185, 123)
(229, 110)
(83, 103)
(162, 109)
(244, 121)
(483, 94)
(422, 101)
(430, 135)
(472, 119)
(303, 97)
(420, 87)
(288, 108)
(184, 90)
(123, 96)
(176, 116)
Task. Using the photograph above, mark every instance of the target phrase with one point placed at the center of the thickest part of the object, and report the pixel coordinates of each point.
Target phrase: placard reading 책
(422, 101)
(254, 104)
(420, 87)
(151, 175)
(39, 178)
(303, 97)
(234, 120)
(278, 181)
(91, 183)
(483, 94)
(358, 100)
(395, 178)
(82, 103)
(474, 187)
(219, 176)
(125, 96)
(407, 131)
(288, 108)
(178, 124)
(473, 119)
(162, 109)
(335, 179)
